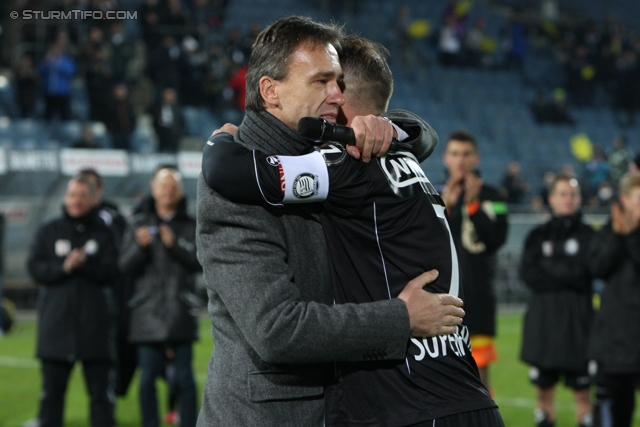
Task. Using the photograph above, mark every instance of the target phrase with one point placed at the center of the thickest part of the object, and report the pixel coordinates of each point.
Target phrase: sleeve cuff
(402, 135)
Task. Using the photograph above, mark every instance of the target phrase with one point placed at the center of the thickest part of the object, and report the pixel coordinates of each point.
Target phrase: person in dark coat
(614, 344)
(26, 84)
(555, 266)
(74, 259)
(120, 119)
(126, 361)
(478, 218)
(159, 252)
(168, 122)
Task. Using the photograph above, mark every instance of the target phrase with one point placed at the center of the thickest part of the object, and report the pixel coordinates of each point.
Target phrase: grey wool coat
(275, 328)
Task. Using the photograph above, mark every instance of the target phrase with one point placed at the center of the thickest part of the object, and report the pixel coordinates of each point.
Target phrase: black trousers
(615, 399)
(99, 379)
(57, 105)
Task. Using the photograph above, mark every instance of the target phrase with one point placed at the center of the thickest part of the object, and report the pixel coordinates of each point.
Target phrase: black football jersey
(384, 224)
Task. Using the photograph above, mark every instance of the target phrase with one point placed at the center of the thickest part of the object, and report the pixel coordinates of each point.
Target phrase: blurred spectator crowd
(174, 54)
(600, 60)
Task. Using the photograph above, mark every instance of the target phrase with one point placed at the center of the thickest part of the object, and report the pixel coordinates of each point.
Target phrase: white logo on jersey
(272, 160)
(402, 171)
(333, 154)
(305, 185)
(547, 248)
(330, 149)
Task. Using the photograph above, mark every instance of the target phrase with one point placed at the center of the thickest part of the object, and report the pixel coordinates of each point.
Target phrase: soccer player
(478, 218)
(384, 224)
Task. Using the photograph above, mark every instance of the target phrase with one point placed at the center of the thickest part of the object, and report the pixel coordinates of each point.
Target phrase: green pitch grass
(20, 381)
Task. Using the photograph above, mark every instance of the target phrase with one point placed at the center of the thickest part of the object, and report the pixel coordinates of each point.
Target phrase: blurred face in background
(460, 157)
(166, 189)
(631, 202)
(78, 199)
(99, 193)
(565, 198)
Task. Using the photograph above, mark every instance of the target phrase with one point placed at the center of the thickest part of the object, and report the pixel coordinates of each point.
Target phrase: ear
(269, 92)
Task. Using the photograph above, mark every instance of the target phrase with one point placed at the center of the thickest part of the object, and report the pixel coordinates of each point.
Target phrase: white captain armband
(304, 179)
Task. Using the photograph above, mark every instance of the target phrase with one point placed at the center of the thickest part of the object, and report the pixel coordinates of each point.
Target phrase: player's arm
(419, 134)
(252, 177)
(489, 217)
(230, 170)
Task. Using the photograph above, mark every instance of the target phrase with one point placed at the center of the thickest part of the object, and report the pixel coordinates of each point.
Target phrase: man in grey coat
(267, 271)
(159, 253)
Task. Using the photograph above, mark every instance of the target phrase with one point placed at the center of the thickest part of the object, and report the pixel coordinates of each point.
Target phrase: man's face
(460, 157)
(166, 188)
(97, 198)
(565, 199)
(311, 87)
(78, 199)
(631, 202)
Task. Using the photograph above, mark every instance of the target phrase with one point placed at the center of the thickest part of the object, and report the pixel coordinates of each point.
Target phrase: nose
(335, 96)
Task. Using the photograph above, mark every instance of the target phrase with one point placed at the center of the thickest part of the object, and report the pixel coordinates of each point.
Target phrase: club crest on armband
(305, 185)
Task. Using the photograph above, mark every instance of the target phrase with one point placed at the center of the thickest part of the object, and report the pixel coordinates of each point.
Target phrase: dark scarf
(262, 131)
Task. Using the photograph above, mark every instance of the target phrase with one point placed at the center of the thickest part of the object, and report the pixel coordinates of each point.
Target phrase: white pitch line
(15, 362)
(523, 402)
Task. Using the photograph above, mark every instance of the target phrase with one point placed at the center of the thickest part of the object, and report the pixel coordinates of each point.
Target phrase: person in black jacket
(615, 339)
(168, 121)
(74, 258)
(478, 218)
(126, 361)
(555, 266)
(159, 252)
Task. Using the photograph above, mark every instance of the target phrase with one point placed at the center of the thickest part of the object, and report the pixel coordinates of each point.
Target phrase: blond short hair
(629, 181)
